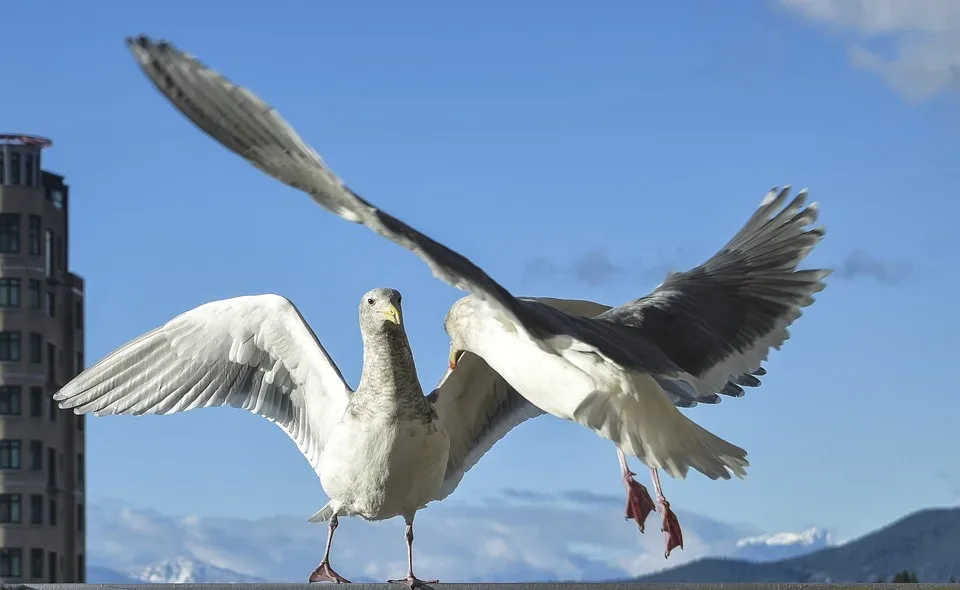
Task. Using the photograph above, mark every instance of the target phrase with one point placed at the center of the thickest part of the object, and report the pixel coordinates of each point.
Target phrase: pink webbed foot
(413, 582)
(639, 502)
(325, 573)
(670, 526)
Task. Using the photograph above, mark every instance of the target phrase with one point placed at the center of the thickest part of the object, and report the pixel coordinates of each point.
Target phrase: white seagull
(622, 373)
(381, 451)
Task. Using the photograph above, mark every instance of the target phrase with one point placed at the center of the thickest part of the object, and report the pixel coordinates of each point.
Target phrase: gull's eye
(370, 301)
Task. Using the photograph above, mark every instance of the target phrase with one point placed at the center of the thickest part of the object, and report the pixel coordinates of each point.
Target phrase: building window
(51, 364)
(36, 509)
(14, 168)
(51, 304)
(2, 168)
(34, 234)
(10, 400)
(36, 563)
(33, 293)
(9, 346)
(36, 347)
(80, 467)
(52, 505)
(80, 422)
(9, 233)
(36, 455)
(36, 402)
(51, 467)
(78, 315)
(53, 410)
(52, 567)
(28, 159)
(56, 197)
(79, 368)
(81, 569)
(48, 252)
(9, 292)
(80, 514)
(10, 562)
(10, 454)
(10, 508)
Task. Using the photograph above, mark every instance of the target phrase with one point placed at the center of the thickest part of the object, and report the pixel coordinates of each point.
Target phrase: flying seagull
(622, 373)
(381, 451)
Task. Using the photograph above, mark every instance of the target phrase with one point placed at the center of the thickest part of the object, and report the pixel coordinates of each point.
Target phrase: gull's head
(462, 325)
(380, 310)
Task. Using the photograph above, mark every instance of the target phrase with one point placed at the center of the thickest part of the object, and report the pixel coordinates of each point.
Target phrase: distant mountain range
(925, 542)
(521, 536)
(182, 570)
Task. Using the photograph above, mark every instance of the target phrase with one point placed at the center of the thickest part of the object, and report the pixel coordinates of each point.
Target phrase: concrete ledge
(458, 586)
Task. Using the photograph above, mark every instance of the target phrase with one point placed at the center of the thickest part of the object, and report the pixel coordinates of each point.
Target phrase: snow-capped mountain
(510, 538)
(776, 546)
(183, 570)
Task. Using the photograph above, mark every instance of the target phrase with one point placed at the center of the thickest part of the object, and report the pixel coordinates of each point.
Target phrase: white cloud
(572, 535)
(914, 45)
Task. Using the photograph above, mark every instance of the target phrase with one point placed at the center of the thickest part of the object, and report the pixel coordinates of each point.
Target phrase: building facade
(42, 508)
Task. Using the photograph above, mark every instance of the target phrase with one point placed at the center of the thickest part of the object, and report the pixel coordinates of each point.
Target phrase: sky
(580, 151)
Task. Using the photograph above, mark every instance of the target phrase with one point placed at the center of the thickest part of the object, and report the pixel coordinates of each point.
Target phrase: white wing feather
(477, 407)
(254, 352)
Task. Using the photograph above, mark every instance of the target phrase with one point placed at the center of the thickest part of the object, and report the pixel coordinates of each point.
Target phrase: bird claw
(413, 581)
(639, 502)
(325, 573)
(670, 527)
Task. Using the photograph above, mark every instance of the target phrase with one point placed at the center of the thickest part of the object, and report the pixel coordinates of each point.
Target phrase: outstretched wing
(477, 407)
(718, 321)
(254, 352)
(243, 123)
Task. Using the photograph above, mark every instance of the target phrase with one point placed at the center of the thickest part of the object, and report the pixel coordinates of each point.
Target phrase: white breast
(378, 469)
(546, 379)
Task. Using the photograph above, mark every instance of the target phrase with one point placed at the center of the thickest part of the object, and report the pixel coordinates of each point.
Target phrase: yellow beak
(454, 357)
(392, 314)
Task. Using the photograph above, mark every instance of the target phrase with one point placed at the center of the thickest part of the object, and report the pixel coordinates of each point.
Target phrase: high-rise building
(42, 508)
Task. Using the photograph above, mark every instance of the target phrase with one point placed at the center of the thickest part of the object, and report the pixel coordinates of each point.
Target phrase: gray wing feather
(255, 353)
(718, 321)
(477, 408)
(681, 396)
(243, 123)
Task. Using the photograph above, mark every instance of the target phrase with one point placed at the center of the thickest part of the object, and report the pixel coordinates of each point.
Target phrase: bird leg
(670, 525)
(639, 504)
(411, 580)
(324, 572)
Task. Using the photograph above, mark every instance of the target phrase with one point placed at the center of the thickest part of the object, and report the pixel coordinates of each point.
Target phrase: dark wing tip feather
(732, 389)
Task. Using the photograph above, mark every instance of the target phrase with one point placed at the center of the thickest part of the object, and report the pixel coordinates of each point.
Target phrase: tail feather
(646, 424)
(324, 514)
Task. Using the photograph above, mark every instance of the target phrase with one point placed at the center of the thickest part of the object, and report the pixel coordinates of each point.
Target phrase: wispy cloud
(860, 265)
(913, 45)
(595, 268)
(527, 495)
(588, 497)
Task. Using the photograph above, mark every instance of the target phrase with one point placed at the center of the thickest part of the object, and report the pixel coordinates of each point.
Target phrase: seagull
(381, 451)
(623, 371)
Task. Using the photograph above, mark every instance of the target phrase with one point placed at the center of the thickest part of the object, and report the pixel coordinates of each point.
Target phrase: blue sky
(639, 134)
